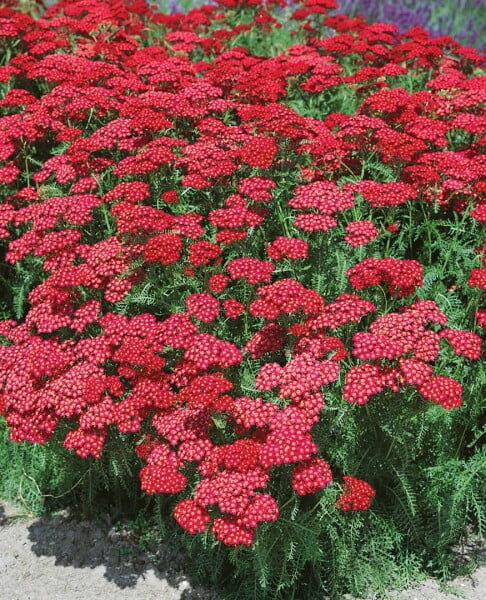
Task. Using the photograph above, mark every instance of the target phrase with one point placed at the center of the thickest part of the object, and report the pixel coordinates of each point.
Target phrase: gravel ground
(57, 558)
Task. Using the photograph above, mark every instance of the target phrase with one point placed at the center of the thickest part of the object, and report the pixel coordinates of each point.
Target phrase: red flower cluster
(284, 247)
(203, 306)
(357, 494)
(404, 342)
(359, 233)
(393, 193)
(311, 476)
(164, 248)
(401, 276)
(253, 270)
(285, 296)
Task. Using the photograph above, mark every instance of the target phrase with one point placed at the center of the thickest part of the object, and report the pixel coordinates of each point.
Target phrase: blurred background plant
(464, 20)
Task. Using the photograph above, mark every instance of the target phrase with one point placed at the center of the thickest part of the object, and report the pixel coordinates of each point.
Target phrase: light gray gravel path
(57, 558)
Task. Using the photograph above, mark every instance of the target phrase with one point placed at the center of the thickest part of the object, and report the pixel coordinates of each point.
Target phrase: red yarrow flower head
(464, 343)
(203, 253)
(188, 271)
(191, 517)
(233, 308)
(362, 382)
(85, 443)
(477, 278)
(314, 222)
(203, 306)
(206, 350)
(286, 296)
(402, 276)
(445, 391)
(257, 188)
(311, 476)
(262, 507)
(357, 494)
(324, 196)
(359, 233)
(253, 270)
(171, 197)
(284, 247)
(218, 282)
(165, 248)
(392, 193)
(161, 475)
(227, 530)
(480, 317)
(271, 338)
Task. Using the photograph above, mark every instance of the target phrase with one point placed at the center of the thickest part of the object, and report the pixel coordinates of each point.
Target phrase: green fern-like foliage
(48, 478)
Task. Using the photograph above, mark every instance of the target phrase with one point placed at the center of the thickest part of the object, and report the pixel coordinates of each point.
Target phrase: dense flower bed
(203, 242)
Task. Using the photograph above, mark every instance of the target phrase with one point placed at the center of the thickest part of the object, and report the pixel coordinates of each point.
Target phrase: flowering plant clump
(215, 244)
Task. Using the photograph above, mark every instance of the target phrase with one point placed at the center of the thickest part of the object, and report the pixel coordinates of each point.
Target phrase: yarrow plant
(217, 251)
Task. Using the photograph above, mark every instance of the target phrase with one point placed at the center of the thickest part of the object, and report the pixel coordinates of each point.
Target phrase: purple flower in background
(182, 6)
(174, 7)
(463, 19)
